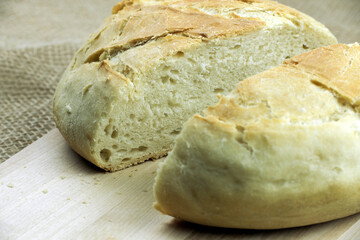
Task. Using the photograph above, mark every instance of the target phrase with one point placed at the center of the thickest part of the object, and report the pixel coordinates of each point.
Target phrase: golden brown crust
(272, 7)
(152, 22)
(137, 22)
(335, 68)
(121, 5)
(139, 58)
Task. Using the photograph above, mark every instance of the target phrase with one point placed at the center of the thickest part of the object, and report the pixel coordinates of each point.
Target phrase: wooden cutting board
(48, 192)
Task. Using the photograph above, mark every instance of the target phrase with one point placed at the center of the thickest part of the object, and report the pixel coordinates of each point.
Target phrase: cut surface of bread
(153, 64)
(282, 150)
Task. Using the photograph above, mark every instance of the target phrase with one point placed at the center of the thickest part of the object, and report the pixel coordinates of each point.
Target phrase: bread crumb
(24, 166)
(68, 199)
(2, 183)
(68, 108)
(97, 181)
(84, 202)
(84, 181)
(10, 185)
(45, 191)
(118, 193)
(62, 177)
(135, 169)
(130, 175)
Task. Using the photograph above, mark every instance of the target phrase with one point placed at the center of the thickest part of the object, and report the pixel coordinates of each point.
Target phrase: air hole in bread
(167, 79)
(191, 61)
(142, 148)
(175, 132)
(115, 146)
(337, 169)
(126, 159)
(174, 72)
(218, 90)
(320, 156)
(305, 47)
(237, 46)
(105, 154)
(179, 54)
(172, 81)
(114, 133)
(139, 149)
(132, 116)
(107, 129)
(165, 68)
(164, 79)
(240, 128)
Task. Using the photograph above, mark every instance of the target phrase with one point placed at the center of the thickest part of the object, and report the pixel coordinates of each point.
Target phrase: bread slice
(282, 150)
(153, 64)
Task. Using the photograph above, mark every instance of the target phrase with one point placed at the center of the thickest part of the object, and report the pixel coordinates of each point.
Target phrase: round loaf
(282, 150)
(153, 64)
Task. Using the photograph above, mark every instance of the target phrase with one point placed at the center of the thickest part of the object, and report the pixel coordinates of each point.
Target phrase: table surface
(49, 192)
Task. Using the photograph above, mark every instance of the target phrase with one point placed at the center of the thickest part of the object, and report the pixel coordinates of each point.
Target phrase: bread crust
(282, 150)
(146, 33)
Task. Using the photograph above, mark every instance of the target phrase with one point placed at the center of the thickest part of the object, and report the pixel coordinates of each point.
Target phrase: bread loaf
(282, 150)
(153, 64)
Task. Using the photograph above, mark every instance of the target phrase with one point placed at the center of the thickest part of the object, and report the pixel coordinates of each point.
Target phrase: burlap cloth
(39, 37)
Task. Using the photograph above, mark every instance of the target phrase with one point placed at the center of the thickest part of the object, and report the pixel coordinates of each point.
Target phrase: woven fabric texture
(28, 80)
(39, 37)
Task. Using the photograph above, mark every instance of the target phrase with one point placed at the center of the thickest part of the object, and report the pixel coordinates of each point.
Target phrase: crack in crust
(291, 96)
(150, 23)
(335, 68)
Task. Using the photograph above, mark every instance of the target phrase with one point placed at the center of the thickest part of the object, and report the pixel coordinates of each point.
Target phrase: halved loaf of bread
(153, 64)
(282, 150)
